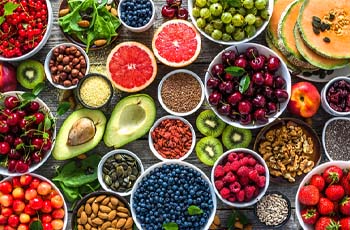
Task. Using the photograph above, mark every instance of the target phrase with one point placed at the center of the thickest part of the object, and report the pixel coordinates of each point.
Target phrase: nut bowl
(124, 159)
(261, 104)
(171, 186)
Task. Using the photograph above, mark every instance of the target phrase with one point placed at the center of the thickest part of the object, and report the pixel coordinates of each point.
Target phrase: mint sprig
(194, 210)
(170, 226)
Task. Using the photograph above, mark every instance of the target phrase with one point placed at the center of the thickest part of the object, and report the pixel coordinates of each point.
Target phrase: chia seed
(337, 141)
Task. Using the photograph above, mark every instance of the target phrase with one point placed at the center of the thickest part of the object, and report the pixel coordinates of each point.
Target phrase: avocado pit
(81, 131)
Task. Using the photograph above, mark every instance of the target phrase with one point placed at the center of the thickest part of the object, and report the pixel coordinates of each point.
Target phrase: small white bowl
(47, 68)
(160, 99)
(324, 102)
(256, 157)
(155, 125)
(103, 160)
(318, 170)
(42, 42)
(137, 29)
(324, 134)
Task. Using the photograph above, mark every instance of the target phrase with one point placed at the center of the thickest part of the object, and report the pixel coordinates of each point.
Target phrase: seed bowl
(182, 181)
(175, 144)
(175, 89)
(123, 159)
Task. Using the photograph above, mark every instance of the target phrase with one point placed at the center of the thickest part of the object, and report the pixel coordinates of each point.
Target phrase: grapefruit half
(131, 66)
(176, 43)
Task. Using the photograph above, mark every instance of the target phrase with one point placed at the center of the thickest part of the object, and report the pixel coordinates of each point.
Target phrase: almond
(129, 222)
(84, 23)
(123, 209)
(106, 225)
(105, 208)
(83, 218)
(94, 208)
(100, 198)
(97, 221)
(122, 214)
(88, 209)
(100, 42)
(103, 215)
(107, 199)
(121, 222)
(114, 201)
(112, 215)
(90, 200)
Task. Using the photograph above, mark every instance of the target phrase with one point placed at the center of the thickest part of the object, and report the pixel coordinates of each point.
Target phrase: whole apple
(8, 80)
(305, 99)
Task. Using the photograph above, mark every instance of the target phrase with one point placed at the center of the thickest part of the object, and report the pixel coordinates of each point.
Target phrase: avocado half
(63, 150)
(131, 118)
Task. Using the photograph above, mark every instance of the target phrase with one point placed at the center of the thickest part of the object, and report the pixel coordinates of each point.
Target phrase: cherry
(226, 87)
(168, 11)
(12, 119)
(14, 154)
(18, 141)
(4, 128)
(234, 115)
(13, 220)
(259, 101)
(213, 83)
(174, 2)
(23, 123)
(228, 57)
(234, 98)
(241, 62)
(21, 113)
(39, 117)
(36, 203)
(268, 93)
(229, 77)
(271, 108)
(281, 95)
(36, 157)
(5, 187)
(11, 102)
(11, 165)
(33, 106)
(22, 166)
(251, 53)
(224, 109)
(244, 107)
(47, 207)
(260, 116)
(217, 70)
(214, 98)
(245, 119)
(47, 145)
(47, 226)
(182, 13)
(250, 91)
(9, 139)
(269, 79)
(257, 63)
(258, 78)
(4, 148)
(280, 83)
(37, 143)
(273, 63)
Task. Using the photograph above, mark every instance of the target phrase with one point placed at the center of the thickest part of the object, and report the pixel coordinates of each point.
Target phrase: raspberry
(244, 161)
(244, 181)
(229, 178)
(241, 155)
(261, 182)
(232, 157)
(251, 161)
(235, 166)
(225, 193)
(261, 169)
(256, 192)
(249, 192)
(232, 199)
(219, 171)
(240, 195)
(253, 175)
(235, 187)
(227, 167)
(243, 171)
(219, 184)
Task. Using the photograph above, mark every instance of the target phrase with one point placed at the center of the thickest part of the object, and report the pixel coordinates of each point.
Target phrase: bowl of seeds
(118, 170)
(181, 92)
(335, 138)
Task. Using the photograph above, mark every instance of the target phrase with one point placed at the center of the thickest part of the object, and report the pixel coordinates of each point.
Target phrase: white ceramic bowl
(103, 160)
(191, 5)
(262, 192)
(318, 170)
(159, 165)
(47, 68)
(42, 178)
(324, 134)
(150, 140)
(33, 167)
(137, 29)
(324, 102)
(160, 99)
(283, 71)
(42, 42)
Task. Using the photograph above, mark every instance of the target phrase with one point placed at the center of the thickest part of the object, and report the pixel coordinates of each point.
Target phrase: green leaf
(9, 7)
(232, 219)
(194, 210)
(234, 3)
(170, 226)
(242, 218)
(244, 84)
(38, 88)
(36, 225)
(235, 71)
(28, 96)
(63, 107)
(47, 122)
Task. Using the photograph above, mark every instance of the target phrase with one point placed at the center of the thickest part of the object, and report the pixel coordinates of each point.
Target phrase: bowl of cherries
(27, 133)
(248, 85)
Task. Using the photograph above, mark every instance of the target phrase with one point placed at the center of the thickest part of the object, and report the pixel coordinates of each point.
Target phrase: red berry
(309, 195)
(344, 206)
(225, 193)
(325, 206)
(318, 181)
(332, 174)
(334, 192)
(36, 203)
(4, 148)
(5, 187)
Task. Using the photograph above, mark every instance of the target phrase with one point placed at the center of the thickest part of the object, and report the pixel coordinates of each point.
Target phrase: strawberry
(309, 215)
(345, 182)
(309, 195)
(332, 174)
(344, 223)
(334, 192)
(326, 223)
(318, 181)
(325, 206)
(344, 206)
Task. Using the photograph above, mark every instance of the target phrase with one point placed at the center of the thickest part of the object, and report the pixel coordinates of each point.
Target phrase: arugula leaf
(9, 7)
(235, 71)
(170, 226)
(194, 210)
(63, 108)
(244, 84)
(36, 225)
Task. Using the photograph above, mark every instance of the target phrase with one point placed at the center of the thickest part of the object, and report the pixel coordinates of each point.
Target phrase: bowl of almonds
(102, 210)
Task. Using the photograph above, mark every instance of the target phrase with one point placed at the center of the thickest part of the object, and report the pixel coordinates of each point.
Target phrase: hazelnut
(53, 69)
(77, 66)
(59, 58)
(65, 60)
(78, 53)
(56, 52)
(55, 78)
(67, 83)
(75, 73)
(67, 69)
(83, 70)
(63, 76)
(83, 63)
(60, 67)
(62, 48)
(80, 75)
(75, 61)
(75, 81)
(73, 49)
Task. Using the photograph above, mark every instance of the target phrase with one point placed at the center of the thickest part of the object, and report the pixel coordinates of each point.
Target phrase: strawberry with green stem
(332, 174)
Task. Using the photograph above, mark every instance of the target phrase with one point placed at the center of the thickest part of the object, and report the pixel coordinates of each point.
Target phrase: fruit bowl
(248, 102)
(32, 51)
(317, 170)
(155, 198)
(192, 7)
(47, 140)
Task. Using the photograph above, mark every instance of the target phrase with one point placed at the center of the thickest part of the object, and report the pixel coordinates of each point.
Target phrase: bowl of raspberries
(323, 197)
(240, 177)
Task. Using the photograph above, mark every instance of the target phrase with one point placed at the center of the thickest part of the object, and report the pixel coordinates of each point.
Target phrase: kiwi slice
(209, 124)
(30, 73)
(208, 150)
(234, 137)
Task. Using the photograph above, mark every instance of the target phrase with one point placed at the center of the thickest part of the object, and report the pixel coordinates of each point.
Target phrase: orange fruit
(176, 43)
(131, 66)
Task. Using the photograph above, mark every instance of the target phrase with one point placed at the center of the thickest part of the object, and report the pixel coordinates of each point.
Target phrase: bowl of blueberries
(173, 193)
(137, 16)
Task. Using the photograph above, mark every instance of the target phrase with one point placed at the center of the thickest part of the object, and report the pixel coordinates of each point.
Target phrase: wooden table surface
(208, 52)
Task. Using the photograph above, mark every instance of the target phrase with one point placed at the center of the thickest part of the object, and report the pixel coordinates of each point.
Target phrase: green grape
(248, 4)
(204, 13)
(258, 21)
(217, 23)
(264, 14)
(216, 9)
(238, 20)
(250, 30)
(213, 1)
(242, 11)
(226, 37)
(195, 12)
(253, 11)
(232, 10)
(200, 22)
(229, 28)
(216, 34)
(239, 34)
(260, 4)
(209, 29)
(201, 3)
(249, 19)
(226, 17)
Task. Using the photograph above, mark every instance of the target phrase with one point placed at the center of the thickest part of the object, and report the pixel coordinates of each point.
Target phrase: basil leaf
(63, 107)
(38, 88)
(235, 71)
(194, 210)
(170, 226)
(244, 84)
(36, 225)
(28, 96)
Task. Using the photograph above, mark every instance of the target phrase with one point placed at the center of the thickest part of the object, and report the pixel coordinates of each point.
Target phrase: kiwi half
(233, 137)
(209, 124)
(30, 73)
(208, 150)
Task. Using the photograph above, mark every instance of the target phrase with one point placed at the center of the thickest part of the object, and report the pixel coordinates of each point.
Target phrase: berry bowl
(326, 185)
(172, 138)
(173, 191)
(28, 133)
(32, 196)
(230, 26)
(248, 85)
(240, 177)
(41, 16)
